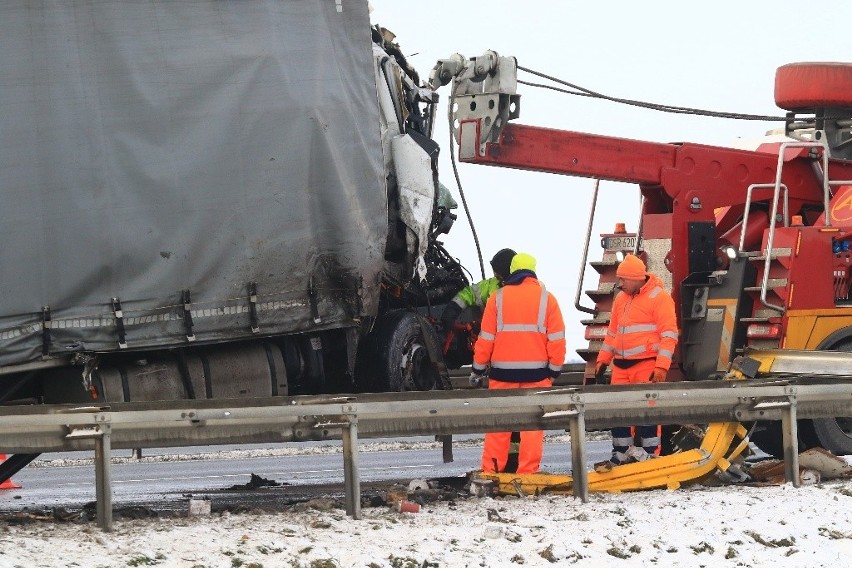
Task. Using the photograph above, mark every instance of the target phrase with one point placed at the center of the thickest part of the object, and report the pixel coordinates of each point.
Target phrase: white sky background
(718, 56)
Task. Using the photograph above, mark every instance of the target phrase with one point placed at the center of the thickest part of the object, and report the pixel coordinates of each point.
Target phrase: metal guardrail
(291, 419)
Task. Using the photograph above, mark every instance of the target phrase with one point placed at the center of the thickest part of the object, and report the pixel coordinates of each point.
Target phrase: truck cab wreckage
(753, 245)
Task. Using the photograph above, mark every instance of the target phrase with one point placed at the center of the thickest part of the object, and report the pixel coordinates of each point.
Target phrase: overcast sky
(713, 55)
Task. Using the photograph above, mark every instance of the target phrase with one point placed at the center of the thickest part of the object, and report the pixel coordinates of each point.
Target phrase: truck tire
(805, 86)
(395, 357)
(767, 436)
(832, 434)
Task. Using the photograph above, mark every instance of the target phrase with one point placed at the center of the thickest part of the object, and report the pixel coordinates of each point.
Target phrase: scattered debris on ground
(255, 482)
(815, 465)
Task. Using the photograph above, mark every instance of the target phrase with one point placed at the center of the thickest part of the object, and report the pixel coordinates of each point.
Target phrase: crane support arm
(570, 153)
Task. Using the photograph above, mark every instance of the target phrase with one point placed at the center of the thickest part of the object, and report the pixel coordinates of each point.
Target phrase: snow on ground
(698, 526)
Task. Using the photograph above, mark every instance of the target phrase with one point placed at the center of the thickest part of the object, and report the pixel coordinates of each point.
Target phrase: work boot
(634, 454)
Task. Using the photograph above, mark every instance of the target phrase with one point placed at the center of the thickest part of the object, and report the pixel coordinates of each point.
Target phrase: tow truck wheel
(806, 86)
(398, 356)
(768, 437)
(833, 434)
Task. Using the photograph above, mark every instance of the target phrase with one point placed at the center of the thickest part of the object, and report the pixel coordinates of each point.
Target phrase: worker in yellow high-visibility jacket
(477, 294)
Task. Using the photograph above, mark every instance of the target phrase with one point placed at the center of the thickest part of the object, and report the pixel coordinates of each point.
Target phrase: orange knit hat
(631, 268)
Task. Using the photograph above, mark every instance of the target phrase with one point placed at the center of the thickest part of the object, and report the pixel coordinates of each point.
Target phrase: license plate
(620, 243)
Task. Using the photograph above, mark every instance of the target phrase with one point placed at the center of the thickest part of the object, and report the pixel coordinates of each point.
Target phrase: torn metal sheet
(414, 176)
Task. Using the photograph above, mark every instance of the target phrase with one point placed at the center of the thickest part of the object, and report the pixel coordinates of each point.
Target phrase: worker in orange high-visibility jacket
(521, 345)
(639, 343)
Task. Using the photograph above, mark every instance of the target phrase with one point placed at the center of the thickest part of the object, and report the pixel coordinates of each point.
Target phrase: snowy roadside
(698, 526)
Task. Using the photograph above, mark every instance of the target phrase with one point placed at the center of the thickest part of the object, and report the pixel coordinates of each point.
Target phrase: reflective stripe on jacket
(522, 335)
(477, 294)
(643, 326)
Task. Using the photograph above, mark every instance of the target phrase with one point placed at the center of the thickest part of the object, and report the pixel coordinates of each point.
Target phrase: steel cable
(459, 185)
(584, 92)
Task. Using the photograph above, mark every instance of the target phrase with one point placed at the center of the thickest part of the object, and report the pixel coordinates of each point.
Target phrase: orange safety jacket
(522, 335)
(643, 326)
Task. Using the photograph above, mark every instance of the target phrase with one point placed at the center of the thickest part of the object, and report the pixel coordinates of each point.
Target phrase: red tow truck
(754, 245)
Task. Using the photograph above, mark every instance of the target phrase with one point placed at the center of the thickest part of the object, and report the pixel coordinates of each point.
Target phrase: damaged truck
(215, 200)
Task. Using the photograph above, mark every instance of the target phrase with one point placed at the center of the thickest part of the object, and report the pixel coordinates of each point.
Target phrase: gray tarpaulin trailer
(205, 199)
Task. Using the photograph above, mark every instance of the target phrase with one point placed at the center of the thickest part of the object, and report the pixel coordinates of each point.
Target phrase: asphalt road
(166, 478)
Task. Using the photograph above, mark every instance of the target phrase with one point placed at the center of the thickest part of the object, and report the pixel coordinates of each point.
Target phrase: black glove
(555, 374)
(450, 315)
(600, 370)
(477, 379)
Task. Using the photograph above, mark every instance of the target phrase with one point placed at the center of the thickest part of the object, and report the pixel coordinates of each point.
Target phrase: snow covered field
(699, 526)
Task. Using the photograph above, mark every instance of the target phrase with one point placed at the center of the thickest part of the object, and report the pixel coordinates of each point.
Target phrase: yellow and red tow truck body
(754, 245)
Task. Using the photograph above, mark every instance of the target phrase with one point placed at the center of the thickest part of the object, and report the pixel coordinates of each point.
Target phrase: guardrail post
(103, 478)
(351, 476)
(790, 432)
(447, 447)
(580, 477)
(785, 409)
(101, 434)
